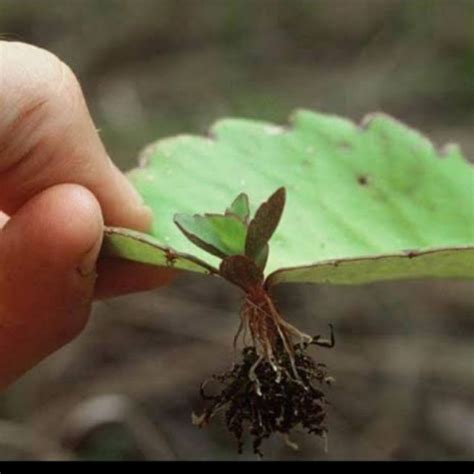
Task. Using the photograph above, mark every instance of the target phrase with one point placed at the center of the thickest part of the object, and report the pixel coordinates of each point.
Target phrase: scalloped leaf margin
(365, 203)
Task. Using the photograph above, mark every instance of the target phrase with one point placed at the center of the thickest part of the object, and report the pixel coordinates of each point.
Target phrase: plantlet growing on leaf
(272, 388)
(364, 203)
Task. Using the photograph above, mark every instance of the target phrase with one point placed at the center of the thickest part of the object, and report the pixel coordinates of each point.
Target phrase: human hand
(57, 188)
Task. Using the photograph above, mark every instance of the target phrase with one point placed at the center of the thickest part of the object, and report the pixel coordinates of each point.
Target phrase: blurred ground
(404, 361)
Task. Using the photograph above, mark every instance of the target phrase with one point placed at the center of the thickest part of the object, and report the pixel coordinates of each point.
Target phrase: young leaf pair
(234, 233)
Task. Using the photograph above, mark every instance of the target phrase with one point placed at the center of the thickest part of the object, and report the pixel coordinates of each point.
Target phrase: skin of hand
(57, 189)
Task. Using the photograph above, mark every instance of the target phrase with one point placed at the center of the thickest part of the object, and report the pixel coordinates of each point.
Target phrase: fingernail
(88, 263)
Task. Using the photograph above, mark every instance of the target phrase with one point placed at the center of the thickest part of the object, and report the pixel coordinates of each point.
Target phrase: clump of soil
(262, 395)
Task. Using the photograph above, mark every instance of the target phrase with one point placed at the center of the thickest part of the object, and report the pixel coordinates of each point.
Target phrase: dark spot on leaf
(170, 257)
(411, 253)
(345, 146)
(306, 163)
(363, 180)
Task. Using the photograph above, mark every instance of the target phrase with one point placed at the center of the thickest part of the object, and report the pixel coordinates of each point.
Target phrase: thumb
(48, 251)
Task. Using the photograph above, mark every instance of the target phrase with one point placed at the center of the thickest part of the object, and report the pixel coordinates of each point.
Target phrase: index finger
(47, 137)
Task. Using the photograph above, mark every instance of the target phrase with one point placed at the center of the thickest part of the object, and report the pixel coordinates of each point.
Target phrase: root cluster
(276, 386)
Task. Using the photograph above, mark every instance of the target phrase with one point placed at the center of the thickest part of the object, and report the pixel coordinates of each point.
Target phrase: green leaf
(138, 247)
(220, 235)
(364, 203)
(240, 208)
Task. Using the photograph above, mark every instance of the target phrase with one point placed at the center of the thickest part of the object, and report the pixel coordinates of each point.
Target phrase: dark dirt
(261, 400)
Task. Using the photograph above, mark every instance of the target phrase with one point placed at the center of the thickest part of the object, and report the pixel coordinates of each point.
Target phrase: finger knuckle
(37, 87)
(37, 77)
(50, 81)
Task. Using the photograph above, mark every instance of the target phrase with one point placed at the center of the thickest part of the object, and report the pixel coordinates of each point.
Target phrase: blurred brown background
(404, 360)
